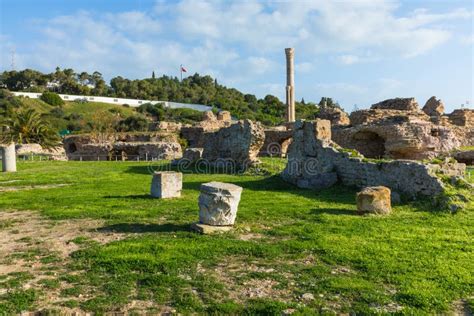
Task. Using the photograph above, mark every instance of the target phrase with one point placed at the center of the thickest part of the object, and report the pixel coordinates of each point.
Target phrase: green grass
(466, 148)
(87, 109)
(309, 241)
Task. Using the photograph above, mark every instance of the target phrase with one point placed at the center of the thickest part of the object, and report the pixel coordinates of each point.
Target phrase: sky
(357, 52)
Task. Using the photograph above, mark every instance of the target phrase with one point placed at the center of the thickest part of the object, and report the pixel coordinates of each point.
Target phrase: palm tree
(27, 126)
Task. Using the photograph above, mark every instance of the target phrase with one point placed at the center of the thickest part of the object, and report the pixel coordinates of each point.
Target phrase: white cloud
(304, 67)
(338, 87)
(134, 22)
(315, 26)
(241, 43)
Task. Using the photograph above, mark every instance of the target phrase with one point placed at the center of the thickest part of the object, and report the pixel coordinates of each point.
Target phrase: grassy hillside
(291, 248)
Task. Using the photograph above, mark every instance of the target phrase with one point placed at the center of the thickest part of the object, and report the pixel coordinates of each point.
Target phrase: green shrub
(52, 98)
(133, 124)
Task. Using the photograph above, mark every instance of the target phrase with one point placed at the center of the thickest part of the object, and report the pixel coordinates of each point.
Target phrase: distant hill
(193, 89)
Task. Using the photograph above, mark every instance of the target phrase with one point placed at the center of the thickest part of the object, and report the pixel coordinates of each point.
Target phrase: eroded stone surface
(146, 146)
(218, 203)
(374, 200)
(314, 161)
(167, 184)
(434, 107)
(335, 115)
(389, 132)
(405, 104)
(238, 144)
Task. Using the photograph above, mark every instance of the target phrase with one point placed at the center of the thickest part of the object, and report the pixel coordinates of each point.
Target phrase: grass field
(292, 249)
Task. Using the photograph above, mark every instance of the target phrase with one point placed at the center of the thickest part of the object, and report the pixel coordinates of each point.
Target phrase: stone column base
(209, 229)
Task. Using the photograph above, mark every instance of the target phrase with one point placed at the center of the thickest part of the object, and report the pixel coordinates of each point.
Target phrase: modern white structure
(119, 101)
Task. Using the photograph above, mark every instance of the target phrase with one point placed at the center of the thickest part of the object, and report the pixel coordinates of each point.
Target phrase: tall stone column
(290, 85)
(9, 158)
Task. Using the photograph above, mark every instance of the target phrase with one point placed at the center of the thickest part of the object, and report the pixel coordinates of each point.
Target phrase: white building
(118, 101)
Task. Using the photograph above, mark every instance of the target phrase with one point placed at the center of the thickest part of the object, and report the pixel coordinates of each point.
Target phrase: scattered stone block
(209, 229)
(167, 184)
(218, 203)
(374, 200)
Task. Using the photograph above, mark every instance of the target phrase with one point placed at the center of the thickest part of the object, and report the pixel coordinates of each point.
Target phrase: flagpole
(181, 71)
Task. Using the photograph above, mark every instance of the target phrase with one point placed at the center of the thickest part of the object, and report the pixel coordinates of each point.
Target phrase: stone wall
(129, 146)
(55, 153)
(314, 161)
(277, 140)
(462, 117)
(335, 115)
(239, 144)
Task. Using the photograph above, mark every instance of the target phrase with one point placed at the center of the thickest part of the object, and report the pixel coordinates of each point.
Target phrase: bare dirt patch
(37, 249)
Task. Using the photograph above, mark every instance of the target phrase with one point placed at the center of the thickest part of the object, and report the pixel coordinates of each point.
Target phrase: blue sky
(358, 52)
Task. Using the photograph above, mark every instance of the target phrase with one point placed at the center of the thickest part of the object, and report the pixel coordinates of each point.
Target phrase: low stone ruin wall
(314, 161)
(122, 147)
(55, 153)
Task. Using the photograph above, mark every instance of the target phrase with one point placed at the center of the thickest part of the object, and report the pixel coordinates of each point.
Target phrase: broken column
(290, 85)
(9, 158)
(167, 184)
(218, 204)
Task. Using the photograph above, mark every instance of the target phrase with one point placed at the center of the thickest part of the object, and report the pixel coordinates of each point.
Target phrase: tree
(52, 98)
(153, 75)
(26, 126)
(133, 124)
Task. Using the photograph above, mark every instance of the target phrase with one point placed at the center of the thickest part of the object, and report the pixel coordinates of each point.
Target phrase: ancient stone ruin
(315, 161)
(195, 135)
(55, 153)
(277, 140)
(218, 203)
(290, 85)
(136, 146)
(232, 148)
(397, 128)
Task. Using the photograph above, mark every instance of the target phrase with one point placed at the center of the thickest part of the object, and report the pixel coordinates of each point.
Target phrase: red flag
(183, 69)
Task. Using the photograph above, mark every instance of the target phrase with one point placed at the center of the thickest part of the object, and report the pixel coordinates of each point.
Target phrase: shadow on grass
(132, 197)
(144, 228)
(334, 211)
